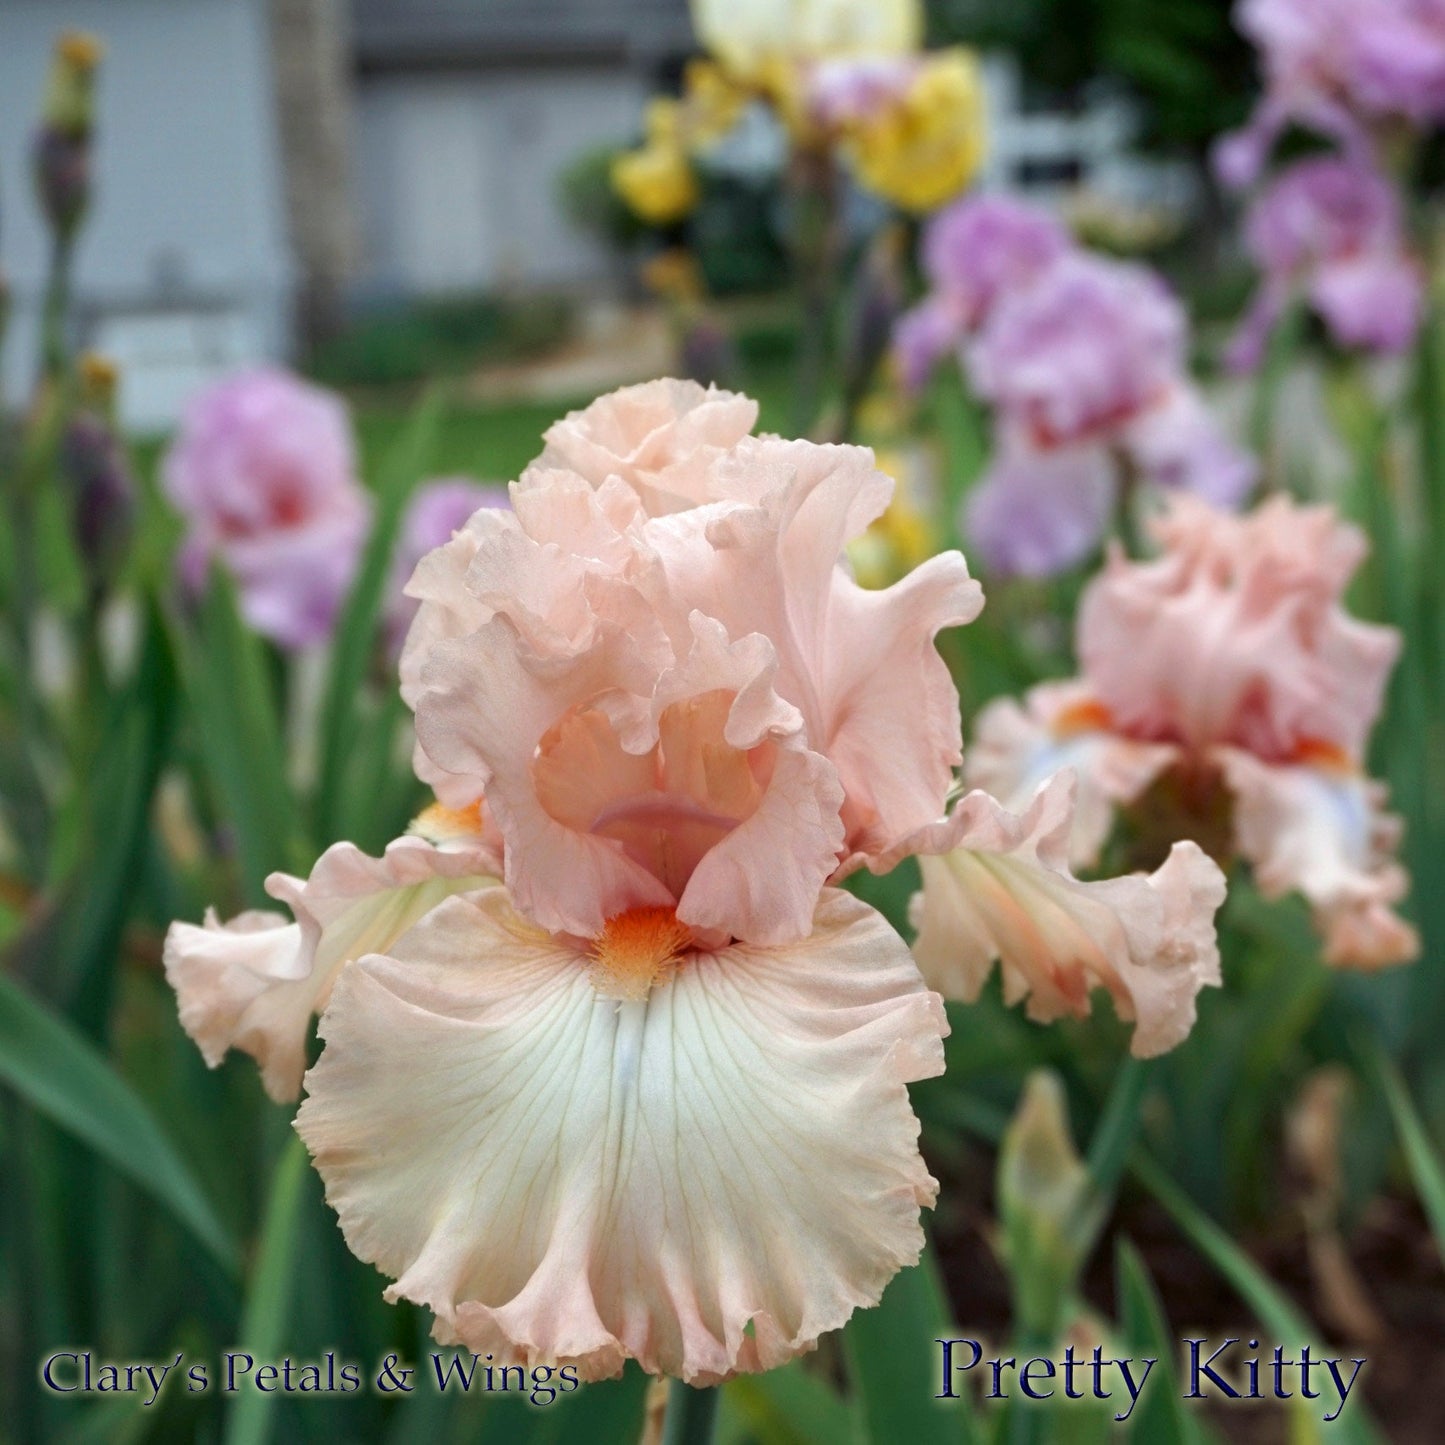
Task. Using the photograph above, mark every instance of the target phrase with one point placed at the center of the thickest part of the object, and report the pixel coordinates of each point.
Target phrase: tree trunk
(311, 46)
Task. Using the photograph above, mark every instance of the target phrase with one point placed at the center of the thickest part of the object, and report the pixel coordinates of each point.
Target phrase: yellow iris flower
(657, 181)
(923, 150)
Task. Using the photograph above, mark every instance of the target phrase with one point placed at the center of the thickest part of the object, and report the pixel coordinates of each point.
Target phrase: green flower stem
(1126, 514)
(815, 246)
(1118, 1126)
(1430, 382)
(34, 470)
(1279, 358)
(29, 709)
(691, 1415)
(57, 305)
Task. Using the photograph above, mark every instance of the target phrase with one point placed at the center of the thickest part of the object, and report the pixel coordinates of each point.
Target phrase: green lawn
(489, 441)
(492, 443)
(495, 442)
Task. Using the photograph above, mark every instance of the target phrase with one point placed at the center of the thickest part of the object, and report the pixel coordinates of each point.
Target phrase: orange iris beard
(637, 950)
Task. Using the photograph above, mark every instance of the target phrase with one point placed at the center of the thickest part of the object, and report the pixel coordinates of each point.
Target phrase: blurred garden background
(403, 237)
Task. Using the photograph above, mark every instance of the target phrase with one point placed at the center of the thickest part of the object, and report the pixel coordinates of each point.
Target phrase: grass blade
(63, 1076)
(962, 426)
(1426, 1168)
(99, 890)
(892, 1362)
(266, 1316)
(610, 1412)
(354, 644)
(112, 1422)
(788, 1406)
(1118, 1126)
(1161, 1417)
(1283, 1322)
(1430, 399)
(1280, 356)
(691, 1414)
(238, 728)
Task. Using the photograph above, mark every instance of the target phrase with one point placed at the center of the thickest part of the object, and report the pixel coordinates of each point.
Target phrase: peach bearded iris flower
(1228, 660)
(647, 1099)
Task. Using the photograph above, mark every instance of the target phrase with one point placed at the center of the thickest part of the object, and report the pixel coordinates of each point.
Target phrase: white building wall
(183, 268)
(459, 174)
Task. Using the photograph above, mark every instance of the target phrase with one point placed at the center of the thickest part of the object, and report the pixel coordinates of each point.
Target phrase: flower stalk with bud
(61, 163)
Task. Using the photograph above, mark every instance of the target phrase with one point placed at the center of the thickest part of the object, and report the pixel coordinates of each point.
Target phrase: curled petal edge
(997, 888)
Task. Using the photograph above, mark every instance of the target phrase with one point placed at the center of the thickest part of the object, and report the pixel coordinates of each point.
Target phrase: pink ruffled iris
(1229, 657)
(613, 1069)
